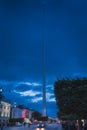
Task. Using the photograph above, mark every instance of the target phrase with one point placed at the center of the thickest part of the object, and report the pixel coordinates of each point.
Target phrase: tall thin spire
(44, 61)
(44, 82)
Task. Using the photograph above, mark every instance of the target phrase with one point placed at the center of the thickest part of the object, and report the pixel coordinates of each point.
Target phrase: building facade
(21, 113)
(5, 108)
(16, 112)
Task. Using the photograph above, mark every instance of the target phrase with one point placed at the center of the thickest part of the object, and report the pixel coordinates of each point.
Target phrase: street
(33, 127)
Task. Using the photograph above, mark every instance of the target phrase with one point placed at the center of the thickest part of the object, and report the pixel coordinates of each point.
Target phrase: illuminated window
(7, 114)
(4, 114)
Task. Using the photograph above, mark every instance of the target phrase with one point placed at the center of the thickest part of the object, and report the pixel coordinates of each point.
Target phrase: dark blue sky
(65, 36)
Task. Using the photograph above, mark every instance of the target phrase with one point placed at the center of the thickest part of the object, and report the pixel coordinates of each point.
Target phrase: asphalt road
(33, 127)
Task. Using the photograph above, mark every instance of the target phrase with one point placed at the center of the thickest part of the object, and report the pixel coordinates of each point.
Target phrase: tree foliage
(1, 94)
(36, 115)
(71, 97)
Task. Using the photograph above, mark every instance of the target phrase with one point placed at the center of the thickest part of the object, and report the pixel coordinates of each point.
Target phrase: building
(16, 112)
(5, 108)
(30, 113)
(20, 112)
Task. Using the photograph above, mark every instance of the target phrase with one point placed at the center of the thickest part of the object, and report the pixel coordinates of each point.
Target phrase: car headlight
(42, 129)
(37, 129)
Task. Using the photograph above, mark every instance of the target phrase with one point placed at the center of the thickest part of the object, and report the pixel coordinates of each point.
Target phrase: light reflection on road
(40, 129)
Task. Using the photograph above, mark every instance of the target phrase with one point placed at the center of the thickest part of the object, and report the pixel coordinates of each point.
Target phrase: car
(18, 124)
(40, 126)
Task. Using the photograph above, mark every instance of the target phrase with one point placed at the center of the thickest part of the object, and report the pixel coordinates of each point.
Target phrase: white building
(5, 108)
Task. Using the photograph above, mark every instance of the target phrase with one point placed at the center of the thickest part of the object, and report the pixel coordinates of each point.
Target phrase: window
(4, 114)
(7, 114)
(4, 107)
(0, 106)
(8, 107)
(0, 113)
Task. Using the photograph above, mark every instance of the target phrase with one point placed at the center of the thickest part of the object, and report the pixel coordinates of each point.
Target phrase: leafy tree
(36, 115)
(71, 98)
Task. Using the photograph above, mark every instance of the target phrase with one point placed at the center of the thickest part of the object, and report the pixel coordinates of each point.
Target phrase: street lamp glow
(0, 89)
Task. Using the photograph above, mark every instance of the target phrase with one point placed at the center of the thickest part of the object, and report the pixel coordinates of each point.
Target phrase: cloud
(50, 97)
(51, 100)
(18, 83)
(50, 88)
(49, 94)
(22, 89)
(37, 99)
(29, 83)
(30, 93)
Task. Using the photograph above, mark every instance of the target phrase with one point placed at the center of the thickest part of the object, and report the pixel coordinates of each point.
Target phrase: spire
(44, 61)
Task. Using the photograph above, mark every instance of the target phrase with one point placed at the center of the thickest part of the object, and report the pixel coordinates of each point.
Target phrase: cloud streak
(30, 93)
(29, 83)
(36, 99)
(50, 97)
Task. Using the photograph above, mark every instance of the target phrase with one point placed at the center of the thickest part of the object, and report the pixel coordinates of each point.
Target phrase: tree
(36, 115)
(71, 98)
(1, 94)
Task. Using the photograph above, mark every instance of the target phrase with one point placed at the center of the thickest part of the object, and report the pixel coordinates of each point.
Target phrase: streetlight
(0, 90)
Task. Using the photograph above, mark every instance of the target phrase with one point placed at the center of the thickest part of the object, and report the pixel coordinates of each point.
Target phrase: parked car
(40, 126)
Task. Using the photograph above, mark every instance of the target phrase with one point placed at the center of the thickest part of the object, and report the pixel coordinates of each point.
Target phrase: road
(33, 127)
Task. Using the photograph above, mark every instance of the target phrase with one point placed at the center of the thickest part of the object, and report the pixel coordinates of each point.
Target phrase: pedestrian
(1, 126)
(73, 126)
(24, 124)
(63, 125)
(81, 125)
(66, 126)
(85, 125)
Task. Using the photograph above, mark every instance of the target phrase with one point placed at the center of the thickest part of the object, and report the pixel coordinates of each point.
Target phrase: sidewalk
(15, 128)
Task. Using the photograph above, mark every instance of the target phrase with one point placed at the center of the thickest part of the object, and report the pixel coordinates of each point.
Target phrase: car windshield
(40, 124)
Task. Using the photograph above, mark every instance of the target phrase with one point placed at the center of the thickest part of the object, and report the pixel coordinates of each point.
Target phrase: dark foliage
(1, 95)
(16, 120)
(36, 115)
(71, 98)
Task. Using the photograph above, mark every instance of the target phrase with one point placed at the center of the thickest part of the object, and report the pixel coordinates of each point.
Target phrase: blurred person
(2, 126)
(85, 125)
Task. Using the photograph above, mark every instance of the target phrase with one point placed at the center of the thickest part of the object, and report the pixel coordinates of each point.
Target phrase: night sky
(24, 25)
